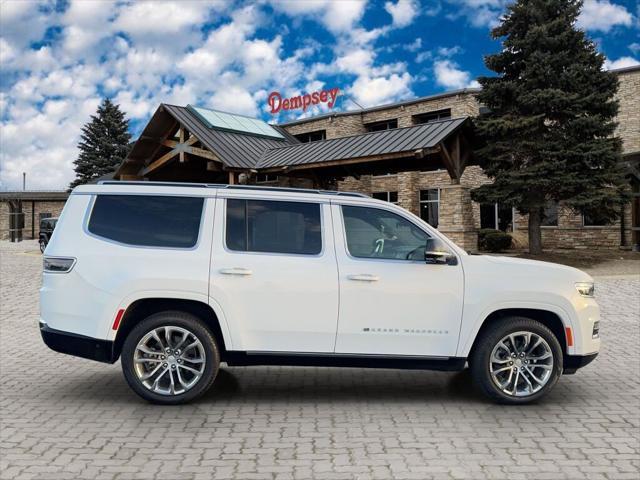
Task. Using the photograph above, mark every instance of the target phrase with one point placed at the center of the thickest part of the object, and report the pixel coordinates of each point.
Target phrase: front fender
(469, 334)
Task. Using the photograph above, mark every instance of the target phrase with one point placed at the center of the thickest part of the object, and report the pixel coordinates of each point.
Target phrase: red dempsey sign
(277, 103)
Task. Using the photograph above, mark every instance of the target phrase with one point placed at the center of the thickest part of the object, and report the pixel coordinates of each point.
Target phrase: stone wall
(31, 209)
(571, 233)
(462, 104)
(629, 115)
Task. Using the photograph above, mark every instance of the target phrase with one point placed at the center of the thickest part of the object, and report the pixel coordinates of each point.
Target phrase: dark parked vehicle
(46, 230)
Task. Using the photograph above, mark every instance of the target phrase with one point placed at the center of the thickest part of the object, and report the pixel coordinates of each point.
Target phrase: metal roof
(35, 195)
(236, 150)
(398, 140)
(386, 106)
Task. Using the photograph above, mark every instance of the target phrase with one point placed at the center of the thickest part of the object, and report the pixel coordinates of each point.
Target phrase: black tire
(182, 320)
(480, 359)
(43, 246)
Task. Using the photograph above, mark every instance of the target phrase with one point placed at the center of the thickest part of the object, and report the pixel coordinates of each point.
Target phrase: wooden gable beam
(451, 161)
(179, 149)
(166, 158)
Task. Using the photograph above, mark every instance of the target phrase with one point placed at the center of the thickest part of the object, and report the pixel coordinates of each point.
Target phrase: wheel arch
(144, 307)
(548, 318)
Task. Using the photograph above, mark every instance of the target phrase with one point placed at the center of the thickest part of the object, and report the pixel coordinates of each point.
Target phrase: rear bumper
(574, 362)
(78, 345)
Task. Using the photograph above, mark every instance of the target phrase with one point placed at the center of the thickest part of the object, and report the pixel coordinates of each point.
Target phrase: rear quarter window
(147, 220)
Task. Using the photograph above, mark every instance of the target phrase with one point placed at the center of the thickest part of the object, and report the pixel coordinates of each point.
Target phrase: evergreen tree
(104, 143)
(549, 134)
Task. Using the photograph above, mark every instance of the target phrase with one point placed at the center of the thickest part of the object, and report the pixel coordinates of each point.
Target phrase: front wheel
(516, 361)
(43, 246)
(170, 358)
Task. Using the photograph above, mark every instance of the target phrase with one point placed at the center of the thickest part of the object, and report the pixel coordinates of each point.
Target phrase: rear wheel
(516, 361)
(170, 358)
(43, 245)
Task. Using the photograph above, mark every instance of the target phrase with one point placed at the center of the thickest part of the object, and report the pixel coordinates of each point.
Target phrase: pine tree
(549, 134)
(104, 143)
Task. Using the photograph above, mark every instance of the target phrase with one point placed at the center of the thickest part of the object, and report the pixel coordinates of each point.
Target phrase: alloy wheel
(521, 364)
(169, 360)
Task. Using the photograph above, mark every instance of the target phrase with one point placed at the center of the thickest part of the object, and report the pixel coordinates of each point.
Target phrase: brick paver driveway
(65, 418)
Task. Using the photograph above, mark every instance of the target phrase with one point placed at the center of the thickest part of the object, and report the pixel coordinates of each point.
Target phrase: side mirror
(436, 251)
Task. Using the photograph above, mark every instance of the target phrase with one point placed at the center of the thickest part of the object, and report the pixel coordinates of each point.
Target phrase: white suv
(176, 278)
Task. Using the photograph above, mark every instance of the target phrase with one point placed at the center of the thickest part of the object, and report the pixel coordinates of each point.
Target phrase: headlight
(586, 289)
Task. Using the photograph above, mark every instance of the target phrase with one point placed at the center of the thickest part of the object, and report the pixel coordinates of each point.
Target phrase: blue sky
(58, 59)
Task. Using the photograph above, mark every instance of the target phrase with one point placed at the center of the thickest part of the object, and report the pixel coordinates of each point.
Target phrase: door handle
(236, 271)
(364, 277)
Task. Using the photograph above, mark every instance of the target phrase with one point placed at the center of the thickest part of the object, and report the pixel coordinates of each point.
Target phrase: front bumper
(78, 345)
(574, 362)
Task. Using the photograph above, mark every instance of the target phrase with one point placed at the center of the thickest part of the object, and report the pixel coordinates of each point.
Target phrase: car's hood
(522, 265)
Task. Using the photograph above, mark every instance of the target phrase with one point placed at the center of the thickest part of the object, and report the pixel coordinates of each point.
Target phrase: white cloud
(635, 47)
(479, 13)
(449, 75)
(622, 62)
(602, 15)
(402, 12)
(368, 91)
(336, 16)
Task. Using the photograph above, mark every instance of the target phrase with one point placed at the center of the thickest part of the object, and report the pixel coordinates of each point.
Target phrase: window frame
(394, 260)
(261, 199)
(371, 126)
(443, 111)
(92, 203)
(322, 131)
(421, 202)
(388, 194)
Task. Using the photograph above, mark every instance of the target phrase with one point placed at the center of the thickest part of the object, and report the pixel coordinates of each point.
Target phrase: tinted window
(274, 227)
(152, 221)
(374, 233)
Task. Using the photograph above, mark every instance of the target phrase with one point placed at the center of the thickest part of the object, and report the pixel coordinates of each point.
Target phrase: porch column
(456, 219)
(408, 191)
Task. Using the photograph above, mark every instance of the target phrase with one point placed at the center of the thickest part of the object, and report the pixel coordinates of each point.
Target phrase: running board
(405, 362)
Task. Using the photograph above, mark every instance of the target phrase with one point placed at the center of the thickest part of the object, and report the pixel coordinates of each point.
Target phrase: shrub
(482, 235)
(497, 241)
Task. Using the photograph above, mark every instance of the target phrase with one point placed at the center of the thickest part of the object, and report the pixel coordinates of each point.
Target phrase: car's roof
(206, 189)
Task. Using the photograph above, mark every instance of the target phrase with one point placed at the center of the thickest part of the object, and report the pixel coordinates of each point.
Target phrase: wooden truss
(179, 148)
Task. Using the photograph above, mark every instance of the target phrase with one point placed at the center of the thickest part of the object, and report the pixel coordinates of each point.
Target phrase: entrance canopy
(197, 144)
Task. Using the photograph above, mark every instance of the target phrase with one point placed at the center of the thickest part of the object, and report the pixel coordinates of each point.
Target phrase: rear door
(274, 273)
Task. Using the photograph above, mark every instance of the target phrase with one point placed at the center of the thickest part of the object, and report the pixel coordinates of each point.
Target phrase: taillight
(58, 264)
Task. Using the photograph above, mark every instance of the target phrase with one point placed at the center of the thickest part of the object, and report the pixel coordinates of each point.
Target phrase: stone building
(416, 153)
(21, 212)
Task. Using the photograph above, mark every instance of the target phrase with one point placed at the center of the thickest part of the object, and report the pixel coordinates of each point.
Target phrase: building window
(312, 136)
(44, 215)
(431, 116)
(430, 206)
(594, 220)
(550, 218)
(273, 227)
(391, 197)
(496, 216)
(384, 125)
(266, 178)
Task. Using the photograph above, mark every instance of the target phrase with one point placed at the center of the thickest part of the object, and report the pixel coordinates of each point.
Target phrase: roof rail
(293, 190)
(231, 187)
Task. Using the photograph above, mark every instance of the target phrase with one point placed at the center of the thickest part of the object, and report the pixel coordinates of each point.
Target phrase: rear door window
(147, 220)
(273, 227)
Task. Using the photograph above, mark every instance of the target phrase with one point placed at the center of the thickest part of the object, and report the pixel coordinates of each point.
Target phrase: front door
(273, 272)
(391, 301)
